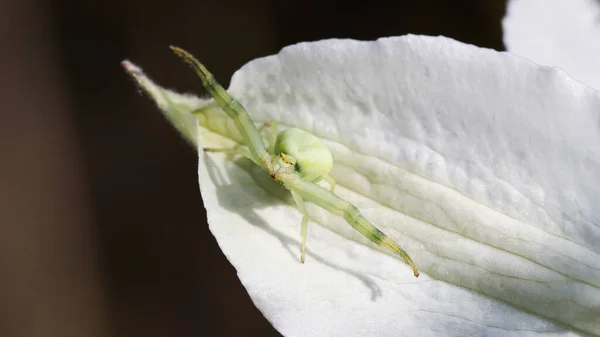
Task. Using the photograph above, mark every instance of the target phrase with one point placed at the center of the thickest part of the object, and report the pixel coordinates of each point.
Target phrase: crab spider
(295, 158)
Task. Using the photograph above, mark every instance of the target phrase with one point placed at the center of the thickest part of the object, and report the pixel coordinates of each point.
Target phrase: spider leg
(304, 226)
(316, 177)
(238, 149)
(330, 180)
(233, 108)
(332, 203)
(272, 135)
(228, 150)
(273, 139)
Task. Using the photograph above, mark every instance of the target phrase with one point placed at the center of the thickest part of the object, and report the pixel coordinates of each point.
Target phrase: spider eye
(287, 159)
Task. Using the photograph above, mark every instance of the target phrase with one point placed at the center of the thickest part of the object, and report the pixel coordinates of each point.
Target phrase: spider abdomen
(310, 153)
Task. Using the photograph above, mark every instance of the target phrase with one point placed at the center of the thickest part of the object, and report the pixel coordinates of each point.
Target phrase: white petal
(563, 33)
(482, 165)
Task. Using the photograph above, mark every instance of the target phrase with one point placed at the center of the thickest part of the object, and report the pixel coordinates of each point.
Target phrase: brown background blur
(102, 229)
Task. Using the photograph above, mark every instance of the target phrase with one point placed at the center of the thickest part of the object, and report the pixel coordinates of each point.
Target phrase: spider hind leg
(304, 225)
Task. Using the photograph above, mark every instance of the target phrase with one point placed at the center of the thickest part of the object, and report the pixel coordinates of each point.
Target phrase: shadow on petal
(278, 196)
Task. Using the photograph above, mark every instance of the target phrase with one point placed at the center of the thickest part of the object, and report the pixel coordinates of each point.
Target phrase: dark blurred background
(102, 228)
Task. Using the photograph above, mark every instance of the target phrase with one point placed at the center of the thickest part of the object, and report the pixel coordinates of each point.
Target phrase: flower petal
(465, 156)
(563, 33)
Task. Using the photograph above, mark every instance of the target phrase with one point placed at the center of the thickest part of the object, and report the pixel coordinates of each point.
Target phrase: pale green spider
(297, 159)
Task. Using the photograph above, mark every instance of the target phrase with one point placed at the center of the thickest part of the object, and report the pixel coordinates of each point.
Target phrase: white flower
(481, 164)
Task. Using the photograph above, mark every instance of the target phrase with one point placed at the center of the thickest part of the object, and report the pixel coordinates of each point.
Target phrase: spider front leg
(320, 196)
(234, 109)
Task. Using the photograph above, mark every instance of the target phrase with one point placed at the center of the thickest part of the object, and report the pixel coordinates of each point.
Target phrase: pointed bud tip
(131, 68)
